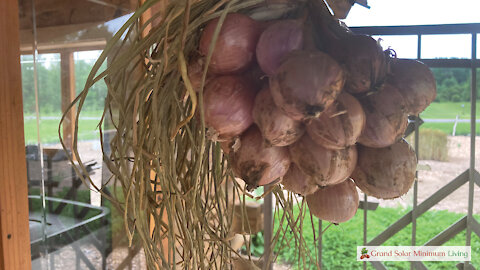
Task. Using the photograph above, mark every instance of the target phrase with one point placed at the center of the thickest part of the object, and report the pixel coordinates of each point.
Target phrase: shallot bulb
(386, 117)
(340, 125)
(277, 128)
(256, 76)
(235, 47)
(228, 103)
(195, 73)
(256, 163)
(337, 203)
(306, 83)
(230, 145)
(365, 63)
(325, 166)
(385, 173)
(276, 42)
(415, 82)
(310, 36)
(226, 146)
(298, 182)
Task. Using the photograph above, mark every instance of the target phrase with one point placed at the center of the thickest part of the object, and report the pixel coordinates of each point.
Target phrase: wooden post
(143, 19)
(67, 65)
(14, 225)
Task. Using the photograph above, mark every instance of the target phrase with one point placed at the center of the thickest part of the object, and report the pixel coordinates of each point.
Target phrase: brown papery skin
(256, 163)
(298, 182)
(365, 63)
(277, 128)
(415, 83)
(230, 145)
(336, 204)
(340, 125)
(226, 146)
(386, 118)
(228, 103)
(385, 173)
(325, 166)
(235, 47)
(195, 73)
(306, 83)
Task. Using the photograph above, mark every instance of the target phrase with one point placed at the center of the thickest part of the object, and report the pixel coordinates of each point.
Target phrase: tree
(453, 84)
(95, 100)
(49, 85)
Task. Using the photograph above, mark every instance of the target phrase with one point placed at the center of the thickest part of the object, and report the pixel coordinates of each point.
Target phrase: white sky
(418, 12)
(412, 12)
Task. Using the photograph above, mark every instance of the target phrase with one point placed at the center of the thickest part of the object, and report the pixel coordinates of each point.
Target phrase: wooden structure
(68, 25)
(49, 26)
(65, 27)
(14, 237)
(468, 223)
(55, 22)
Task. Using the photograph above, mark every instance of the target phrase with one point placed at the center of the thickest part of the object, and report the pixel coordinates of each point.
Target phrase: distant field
(462, 128)
(87, 129)
(449, 110)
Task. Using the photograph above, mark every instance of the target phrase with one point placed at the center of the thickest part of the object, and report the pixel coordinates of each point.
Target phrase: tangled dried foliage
(175, 187)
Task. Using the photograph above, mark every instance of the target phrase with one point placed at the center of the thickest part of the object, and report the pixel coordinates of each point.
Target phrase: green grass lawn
(340, 242)
(449, 110)
(462, 128)
(87, 129)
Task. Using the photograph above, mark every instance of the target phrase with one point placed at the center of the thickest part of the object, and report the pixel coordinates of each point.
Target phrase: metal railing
(471, 175)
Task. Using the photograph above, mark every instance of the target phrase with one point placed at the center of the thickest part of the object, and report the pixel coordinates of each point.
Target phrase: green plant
(339, 245)
(257, 245)
(49, 129)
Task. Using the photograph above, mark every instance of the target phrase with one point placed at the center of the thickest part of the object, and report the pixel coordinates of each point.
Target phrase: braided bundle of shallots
(306, 103)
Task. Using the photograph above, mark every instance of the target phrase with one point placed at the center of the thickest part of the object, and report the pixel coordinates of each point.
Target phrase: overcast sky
(411, 12)
(418, 12)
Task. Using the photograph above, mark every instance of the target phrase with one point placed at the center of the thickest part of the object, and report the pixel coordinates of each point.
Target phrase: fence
(471, 175)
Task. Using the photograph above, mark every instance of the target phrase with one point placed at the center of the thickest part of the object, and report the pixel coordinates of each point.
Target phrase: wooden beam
(143, 19)
(14, 225)
(67, 67)
(66, 47)
(74, 36)
(65, 38)
(67, 12)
